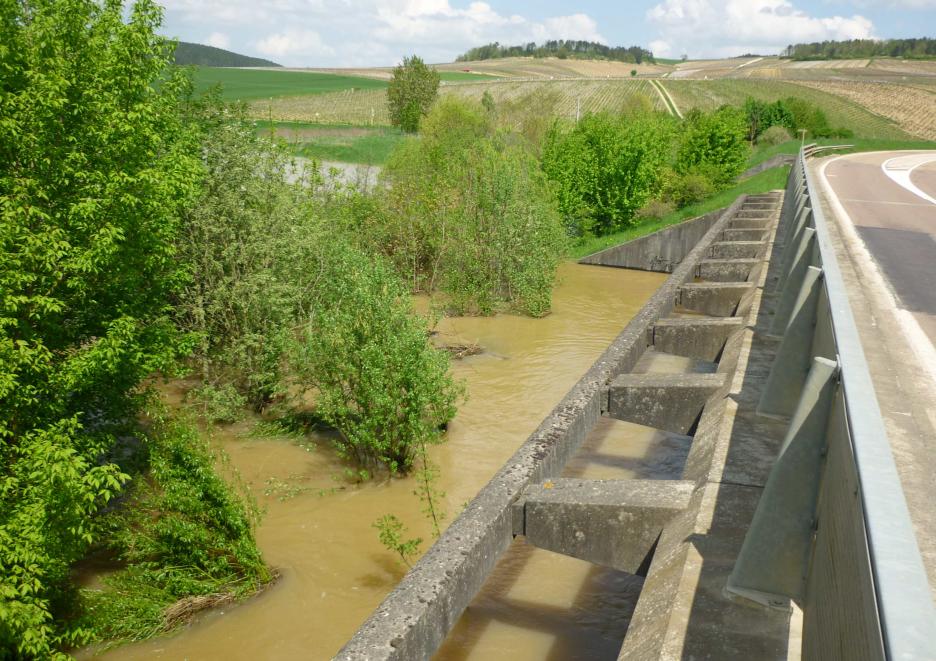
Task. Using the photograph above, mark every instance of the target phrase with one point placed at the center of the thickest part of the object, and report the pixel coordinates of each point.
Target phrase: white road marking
(914, 335)
(900, 169)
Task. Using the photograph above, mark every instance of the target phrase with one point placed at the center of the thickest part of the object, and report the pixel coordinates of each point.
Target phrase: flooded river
(317, 529)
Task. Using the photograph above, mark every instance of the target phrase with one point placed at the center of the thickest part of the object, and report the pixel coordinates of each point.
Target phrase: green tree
(713, 144)
(95, 168)
(606, 168)
(413, 89)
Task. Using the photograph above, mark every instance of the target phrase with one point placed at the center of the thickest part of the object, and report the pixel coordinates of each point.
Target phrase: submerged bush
(367, 359)
(244, 243)
(182, 532)
(471, 215)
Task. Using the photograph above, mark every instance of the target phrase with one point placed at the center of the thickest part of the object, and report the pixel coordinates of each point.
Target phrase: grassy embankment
(765, 181)
(762, 154)
(353, 143)
(768, 180)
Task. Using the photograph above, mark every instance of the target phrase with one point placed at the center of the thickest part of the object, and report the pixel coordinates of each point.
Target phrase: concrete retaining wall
(661, 251)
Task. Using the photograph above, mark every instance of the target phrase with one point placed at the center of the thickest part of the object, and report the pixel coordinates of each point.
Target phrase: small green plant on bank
(391, 529)
(426, 478)
(391, 533)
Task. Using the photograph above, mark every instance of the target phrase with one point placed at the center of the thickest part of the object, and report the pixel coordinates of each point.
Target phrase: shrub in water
(367, 358)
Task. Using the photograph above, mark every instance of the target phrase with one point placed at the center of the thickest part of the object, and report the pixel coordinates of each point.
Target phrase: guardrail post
(795, 236)
(774, 560)
(803, 258)
(792, 220)
(785, 383)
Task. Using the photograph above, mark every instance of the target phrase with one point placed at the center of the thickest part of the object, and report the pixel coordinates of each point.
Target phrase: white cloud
(218, 40)
(366, 32)
(661, 48)
(294, 42)
(722, 28)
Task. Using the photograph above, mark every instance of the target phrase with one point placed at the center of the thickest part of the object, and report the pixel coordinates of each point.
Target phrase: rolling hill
(209, 56)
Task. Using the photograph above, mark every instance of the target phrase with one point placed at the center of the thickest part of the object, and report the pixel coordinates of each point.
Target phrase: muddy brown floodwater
(317, 529)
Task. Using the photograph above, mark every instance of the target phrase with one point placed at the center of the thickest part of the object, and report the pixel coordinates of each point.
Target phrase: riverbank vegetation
(98, 168)
(149, 232)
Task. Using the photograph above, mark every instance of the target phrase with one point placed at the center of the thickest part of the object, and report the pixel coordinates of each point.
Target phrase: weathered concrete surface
(683, 612)
(759, 234)
(737, 249)
(727, 270)
(671, 402)
(613, 523)
(661, 251)
(416, 616)
(749, 222)
(714, 299)
(701, 338)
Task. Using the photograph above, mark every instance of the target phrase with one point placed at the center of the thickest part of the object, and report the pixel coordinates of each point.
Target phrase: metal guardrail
(832, 530)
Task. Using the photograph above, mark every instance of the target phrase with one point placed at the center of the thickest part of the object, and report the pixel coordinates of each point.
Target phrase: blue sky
(331, 33)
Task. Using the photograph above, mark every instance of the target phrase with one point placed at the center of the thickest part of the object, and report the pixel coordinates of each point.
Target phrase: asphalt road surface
(890, 198)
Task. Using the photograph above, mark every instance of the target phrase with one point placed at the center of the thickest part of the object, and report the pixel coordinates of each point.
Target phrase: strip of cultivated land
(248, 84)
(912, 108)
(564, 97)
(842, 112)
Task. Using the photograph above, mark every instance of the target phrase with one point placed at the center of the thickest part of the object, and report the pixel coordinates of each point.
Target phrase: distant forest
(209, 56)
(923, 48)
(582, 50)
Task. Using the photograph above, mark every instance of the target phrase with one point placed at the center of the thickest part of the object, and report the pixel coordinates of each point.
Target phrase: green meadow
(250, 84)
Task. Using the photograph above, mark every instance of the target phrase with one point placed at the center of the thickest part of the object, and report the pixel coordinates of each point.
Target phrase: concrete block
(671, 402)
(740, 223)
(613, 523)
(737, 249)
(744, 234)
(727, 270)
(794, 356)
(701, 338)
(715, 299)
(807, 254)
